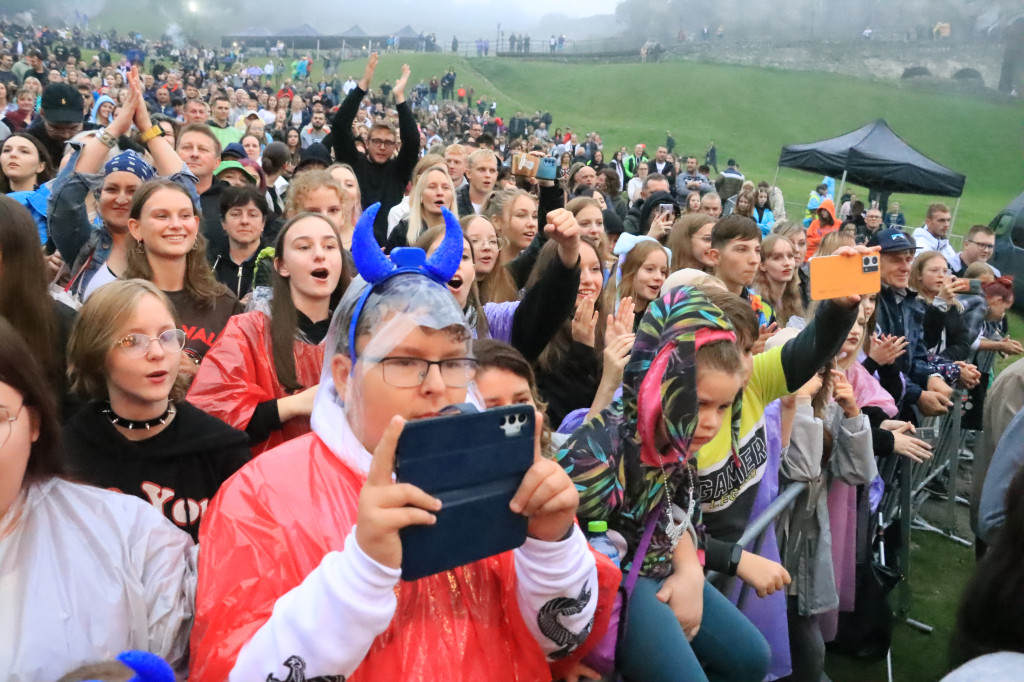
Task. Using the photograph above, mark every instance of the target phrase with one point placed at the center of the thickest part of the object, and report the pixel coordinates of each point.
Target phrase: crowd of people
(221, 302)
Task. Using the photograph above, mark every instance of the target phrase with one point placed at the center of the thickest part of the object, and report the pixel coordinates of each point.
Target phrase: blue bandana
(130, 162)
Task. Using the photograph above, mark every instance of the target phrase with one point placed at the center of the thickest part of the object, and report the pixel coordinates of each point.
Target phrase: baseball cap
(228, 165)
(233, 150)
(892, 240)
(314, 154)
(62, 103)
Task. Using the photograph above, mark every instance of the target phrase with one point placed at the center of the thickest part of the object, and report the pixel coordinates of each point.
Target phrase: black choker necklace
(132, 425)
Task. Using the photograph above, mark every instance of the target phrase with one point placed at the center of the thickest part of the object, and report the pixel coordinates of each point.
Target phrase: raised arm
(341, 127)
(408, 131)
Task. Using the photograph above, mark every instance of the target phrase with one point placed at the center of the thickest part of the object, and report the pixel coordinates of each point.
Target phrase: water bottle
(599, 540)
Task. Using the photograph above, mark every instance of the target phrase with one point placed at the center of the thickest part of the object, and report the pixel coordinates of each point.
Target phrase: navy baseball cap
(892, 240)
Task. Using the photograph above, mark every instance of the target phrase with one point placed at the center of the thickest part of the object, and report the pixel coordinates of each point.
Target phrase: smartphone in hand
(474, 464)
(838, 276)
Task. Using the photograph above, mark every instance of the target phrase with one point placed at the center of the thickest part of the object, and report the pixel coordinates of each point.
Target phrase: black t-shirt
(11, 82)
(203, 324)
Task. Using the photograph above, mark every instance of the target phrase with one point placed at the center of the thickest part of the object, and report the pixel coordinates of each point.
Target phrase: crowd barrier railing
(753, 537)
(907, 488)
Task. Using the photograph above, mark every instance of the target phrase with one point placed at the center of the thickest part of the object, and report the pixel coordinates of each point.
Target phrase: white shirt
(926, 241)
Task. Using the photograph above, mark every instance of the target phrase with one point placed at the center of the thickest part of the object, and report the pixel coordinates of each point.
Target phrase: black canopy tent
(875, 157)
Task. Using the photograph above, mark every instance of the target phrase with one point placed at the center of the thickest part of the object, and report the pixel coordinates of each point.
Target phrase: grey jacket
(805, 538)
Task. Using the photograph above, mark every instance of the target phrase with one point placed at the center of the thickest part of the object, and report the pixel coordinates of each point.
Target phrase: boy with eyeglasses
(979, 245)
(382, 173)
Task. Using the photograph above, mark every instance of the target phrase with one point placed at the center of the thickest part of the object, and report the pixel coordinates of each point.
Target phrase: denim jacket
(83, 244)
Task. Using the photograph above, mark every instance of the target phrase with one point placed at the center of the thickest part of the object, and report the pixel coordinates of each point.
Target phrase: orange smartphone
(836, 276)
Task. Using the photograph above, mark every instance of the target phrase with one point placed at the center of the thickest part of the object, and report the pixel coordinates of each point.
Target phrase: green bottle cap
(597, 526)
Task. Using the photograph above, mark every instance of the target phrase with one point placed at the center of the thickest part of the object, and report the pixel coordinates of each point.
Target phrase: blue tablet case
(474, 464)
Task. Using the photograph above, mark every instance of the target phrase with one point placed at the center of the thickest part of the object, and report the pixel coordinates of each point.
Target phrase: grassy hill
(751, 114)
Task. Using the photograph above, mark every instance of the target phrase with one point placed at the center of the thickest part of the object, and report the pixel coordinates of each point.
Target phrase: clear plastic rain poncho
(86, 573)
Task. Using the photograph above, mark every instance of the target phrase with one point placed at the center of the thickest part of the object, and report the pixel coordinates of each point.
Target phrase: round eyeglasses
(137, 345)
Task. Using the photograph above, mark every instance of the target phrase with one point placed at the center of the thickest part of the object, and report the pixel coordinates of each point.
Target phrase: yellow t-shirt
(726, 487)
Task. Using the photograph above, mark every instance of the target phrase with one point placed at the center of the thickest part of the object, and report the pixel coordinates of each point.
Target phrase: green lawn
(751, 113)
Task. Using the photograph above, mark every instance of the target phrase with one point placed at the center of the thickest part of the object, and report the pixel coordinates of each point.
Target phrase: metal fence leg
(907, 512)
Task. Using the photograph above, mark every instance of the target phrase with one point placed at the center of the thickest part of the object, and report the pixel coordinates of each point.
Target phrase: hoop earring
(195, 245)
(140, 248)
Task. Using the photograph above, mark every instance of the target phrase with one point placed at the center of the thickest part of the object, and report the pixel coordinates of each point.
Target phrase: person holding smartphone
(301, 551)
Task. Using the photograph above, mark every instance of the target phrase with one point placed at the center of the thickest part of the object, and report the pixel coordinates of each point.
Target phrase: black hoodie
(237, 278)
(178, 470)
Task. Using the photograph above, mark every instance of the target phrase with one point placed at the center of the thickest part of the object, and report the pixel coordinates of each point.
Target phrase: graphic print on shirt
(184, 511)
(297, 673)
(552, 628)
(723, 482)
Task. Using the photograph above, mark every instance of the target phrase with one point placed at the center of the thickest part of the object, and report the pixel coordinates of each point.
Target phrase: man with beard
(316, 131)
(60, 118)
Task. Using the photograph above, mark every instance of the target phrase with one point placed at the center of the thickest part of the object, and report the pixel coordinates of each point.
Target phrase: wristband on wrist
(734, 559)
(106, 138)
(154, 132)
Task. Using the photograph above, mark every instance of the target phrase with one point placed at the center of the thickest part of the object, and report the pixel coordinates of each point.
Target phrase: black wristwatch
(734, 559)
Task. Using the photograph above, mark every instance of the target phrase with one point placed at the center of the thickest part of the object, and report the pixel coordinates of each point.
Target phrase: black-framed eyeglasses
(981, 245)
(411, 372)
(137, 345)
(377, 142)
(6, 420)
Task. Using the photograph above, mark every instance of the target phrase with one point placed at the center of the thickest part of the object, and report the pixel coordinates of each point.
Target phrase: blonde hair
(356, 209)
(310, 181)
(499, 205)
(479, 155)
(832, 241)
(416, 216)
(917, 267)
(92, 336)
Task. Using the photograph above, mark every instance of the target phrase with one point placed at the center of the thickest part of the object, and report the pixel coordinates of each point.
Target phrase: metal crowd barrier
(753, 537)
(906, 489)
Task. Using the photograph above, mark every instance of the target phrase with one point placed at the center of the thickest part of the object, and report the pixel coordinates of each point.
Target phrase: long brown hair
(631, 266)
(44, 157)
(284, 317)
(791, 304)
(425, 241)
(24, 299)
(680, 240)
(200, 284)
(553, 356)
(20, 369)
(497, 286)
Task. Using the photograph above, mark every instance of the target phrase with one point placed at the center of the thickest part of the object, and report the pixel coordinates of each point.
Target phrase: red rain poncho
(276, 519)
(238, 374)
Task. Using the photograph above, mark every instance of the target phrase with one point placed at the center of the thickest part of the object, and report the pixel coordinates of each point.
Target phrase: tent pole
(952, 222)
(775, 180)
(842, 184)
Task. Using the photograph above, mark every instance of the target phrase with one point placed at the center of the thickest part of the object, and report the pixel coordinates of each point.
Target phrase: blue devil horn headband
(147, 667)
(375, 267)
